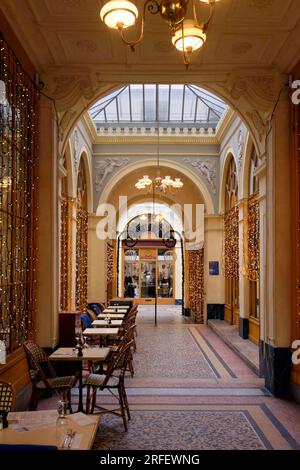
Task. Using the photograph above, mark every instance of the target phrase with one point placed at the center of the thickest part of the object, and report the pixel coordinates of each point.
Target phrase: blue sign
(214, 268)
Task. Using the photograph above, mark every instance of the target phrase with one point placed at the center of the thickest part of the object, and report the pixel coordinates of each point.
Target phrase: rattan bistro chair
(113, 381)
(7, 397)
(43, 376)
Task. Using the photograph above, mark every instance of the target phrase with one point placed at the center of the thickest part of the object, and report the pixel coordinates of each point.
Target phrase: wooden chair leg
(34, 400)
(69, 400)
(88, 399)
(130, 367)
(126, 402)
(94, 399)
(122, 407)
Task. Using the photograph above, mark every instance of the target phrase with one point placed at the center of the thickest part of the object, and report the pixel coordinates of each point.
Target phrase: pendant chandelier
(159, 184)
(188, 34)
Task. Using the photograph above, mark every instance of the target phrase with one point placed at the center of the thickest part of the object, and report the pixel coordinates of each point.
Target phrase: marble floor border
(262, 419)
(221, 369)
(220, 359)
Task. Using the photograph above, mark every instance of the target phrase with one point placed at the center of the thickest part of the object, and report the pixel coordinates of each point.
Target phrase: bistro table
(88, 354)
(39, 428)
(113, 316)
(104, 323)
(102, 333)
(111, 311)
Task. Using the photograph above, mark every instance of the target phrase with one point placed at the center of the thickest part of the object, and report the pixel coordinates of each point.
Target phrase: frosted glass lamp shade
(119, 14)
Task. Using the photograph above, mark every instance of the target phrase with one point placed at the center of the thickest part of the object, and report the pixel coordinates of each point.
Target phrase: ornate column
(48, 233)
(243, 281)
(275, 356)
(261, 173)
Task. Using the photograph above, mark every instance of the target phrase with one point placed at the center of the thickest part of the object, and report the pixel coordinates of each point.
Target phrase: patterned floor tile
(190, 391)
(169, 351)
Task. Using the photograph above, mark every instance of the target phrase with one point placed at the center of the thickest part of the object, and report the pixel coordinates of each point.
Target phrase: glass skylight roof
(184, 105)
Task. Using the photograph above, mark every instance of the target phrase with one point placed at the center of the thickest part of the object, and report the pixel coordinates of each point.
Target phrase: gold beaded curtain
(18, 159)
(196, 284)
(253, 222)
(65, 252)
(231, 224)
(109, 269)
(81, 241)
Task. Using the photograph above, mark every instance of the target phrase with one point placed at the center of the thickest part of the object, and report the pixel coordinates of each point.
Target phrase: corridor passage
(190, 391)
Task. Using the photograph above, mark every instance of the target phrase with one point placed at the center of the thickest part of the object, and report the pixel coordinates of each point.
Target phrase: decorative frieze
(106, 167)
(207, 169)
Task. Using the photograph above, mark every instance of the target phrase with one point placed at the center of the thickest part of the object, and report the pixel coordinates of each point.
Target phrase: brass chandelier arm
(204, 25)
(153, 7)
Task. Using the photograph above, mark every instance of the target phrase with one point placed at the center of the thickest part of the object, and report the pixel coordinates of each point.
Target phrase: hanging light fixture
(162, 185)
(188, 34)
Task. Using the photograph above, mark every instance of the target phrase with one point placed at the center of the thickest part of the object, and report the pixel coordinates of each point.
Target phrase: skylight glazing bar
(208, 99)
(144, 104)
(208, 106)
(169, 103)
(130, 103)
(107, 102)
(117, 106)
(156, 103)
(183, 100)
(196, 109)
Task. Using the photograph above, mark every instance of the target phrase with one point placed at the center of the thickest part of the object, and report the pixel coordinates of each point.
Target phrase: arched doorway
(150, 260)
(231, 244)
(253, 249)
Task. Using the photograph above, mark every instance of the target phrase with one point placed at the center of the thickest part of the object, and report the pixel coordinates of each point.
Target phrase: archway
(231, 241)
(151, 227)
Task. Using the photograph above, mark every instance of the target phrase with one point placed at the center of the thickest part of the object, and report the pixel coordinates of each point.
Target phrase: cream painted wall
(213, 248)
(277, 328)
(178, 273)
(96, 263)
(46, 324)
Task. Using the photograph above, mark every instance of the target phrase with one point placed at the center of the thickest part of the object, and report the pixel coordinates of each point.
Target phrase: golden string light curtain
(231, 243)
(65, 253)
(81, 258)
(109, 269)
(81, 240)
(253, 239)
(196, 284)
(18, 222)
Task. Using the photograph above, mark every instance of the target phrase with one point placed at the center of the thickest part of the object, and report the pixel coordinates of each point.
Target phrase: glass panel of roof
(137, 102)
(189, 105)
(178, 104)
(150, 103)
(202, 112)
(163, 100)
(124, 106)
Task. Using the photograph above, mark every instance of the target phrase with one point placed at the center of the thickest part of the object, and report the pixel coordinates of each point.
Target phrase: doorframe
(133, 244)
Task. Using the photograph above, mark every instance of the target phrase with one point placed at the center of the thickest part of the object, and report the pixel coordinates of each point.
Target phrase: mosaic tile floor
(191, 391)
(206, 429)
(170, 352)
